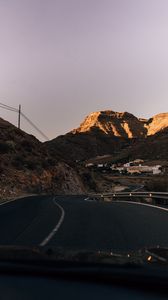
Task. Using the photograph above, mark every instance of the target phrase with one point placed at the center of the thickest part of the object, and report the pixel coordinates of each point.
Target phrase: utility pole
(19, 113)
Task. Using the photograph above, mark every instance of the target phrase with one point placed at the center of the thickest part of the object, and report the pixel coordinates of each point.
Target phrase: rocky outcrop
(60, 179)
(157, 124)
(123, 125)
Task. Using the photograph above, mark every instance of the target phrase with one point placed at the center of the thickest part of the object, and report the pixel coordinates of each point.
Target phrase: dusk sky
(62, 59)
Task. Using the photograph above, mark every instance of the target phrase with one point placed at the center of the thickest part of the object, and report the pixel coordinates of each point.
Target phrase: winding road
(70, 222)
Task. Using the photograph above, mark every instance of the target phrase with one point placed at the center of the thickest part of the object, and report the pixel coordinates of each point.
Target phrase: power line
(33, 125)
(10, 108)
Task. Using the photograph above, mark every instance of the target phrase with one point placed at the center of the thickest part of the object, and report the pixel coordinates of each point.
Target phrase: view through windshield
(84, 130)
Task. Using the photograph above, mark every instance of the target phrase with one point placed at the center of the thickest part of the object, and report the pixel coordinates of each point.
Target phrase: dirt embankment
(60, 179)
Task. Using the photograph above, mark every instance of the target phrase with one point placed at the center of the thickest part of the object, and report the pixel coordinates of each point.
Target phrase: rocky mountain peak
(122, 124)
(157, 123)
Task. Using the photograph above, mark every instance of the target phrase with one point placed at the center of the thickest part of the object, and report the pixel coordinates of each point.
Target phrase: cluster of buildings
(133, 167)
(137, 167)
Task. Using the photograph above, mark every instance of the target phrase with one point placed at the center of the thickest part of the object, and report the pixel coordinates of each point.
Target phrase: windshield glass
(84, 130)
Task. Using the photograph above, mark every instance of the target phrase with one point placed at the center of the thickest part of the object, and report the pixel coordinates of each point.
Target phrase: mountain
(113, 123)
(121, 135)
(26, 166)
(123, 124)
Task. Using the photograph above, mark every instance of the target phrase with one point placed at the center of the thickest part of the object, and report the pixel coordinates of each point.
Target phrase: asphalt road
(72, 223)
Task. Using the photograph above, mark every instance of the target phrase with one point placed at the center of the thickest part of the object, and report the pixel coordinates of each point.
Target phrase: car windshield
(84, 131)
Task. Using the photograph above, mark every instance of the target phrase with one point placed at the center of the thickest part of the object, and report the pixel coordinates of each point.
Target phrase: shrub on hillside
(89, 181)
(11, 145)
(27, 145)
(18, 162)
(158, 185)
(6, 147)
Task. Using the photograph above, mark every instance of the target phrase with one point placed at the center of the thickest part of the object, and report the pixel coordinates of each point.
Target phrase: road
(73, 223)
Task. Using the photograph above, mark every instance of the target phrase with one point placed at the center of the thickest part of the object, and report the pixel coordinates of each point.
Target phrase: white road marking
(6, 202)
(53, 232)
(139, 188)
(144, 204)
(15, 199)
(89, 200)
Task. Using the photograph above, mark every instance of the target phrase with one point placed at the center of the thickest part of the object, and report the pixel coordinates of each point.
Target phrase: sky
(63, 59)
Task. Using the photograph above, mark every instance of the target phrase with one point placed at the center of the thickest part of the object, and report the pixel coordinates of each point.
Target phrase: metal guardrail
(118, 195)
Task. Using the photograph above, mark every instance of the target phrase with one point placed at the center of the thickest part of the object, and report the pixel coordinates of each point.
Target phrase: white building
(144, 169)
(88, 165)
(100, 165)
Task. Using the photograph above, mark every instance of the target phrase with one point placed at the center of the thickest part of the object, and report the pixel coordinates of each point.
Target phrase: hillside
(121, 135)
(27, 167)
(82, 146)
(153, 147)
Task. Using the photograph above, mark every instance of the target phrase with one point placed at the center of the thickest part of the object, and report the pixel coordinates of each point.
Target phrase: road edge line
(15, 199)
(55, 229)
(144, 204)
